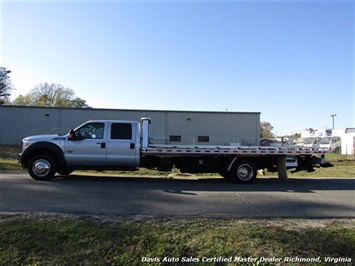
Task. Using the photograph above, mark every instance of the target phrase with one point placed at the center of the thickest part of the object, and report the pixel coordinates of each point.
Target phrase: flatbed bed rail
(231, 150)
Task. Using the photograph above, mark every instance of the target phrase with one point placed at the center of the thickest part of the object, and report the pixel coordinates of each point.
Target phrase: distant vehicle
(310, 142)
(332, 144)
(269, 142)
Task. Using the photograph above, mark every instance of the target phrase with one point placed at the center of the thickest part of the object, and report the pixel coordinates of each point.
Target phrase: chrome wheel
(41, 168)
(245, 172)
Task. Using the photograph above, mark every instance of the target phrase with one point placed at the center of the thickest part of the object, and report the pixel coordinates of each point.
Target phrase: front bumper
(19, 160)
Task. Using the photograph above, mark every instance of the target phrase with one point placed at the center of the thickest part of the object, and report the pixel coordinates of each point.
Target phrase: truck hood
(44, 138)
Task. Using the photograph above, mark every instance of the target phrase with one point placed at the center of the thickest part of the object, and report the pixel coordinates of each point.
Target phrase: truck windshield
(308, 140)
(325, 140)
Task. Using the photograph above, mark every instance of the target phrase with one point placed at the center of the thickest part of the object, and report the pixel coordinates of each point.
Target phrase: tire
(42, 167)
(243, 172)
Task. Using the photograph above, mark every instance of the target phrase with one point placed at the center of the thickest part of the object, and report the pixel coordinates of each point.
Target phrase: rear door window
(121, 131)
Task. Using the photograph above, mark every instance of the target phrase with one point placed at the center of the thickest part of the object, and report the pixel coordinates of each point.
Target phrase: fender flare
(43, 147)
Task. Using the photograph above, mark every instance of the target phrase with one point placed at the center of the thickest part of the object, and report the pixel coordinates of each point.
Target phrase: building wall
(347, 136)
(221, 128)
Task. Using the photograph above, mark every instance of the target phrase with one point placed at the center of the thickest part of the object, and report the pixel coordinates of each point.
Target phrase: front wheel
(243, 172)
(42, 167)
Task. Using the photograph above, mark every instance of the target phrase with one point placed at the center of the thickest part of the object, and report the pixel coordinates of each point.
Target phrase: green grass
(9, 152)
(344, 166)
(57, 240)
(8, 158)
(9, 165)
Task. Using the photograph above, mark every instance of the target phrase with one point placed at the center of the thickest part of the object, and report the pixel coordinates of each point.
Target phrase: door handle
(103, 144)
(131, 146)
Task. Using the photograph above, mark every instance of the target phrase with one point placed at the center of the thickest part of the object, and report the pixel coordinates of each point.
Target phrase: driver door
(88, 148)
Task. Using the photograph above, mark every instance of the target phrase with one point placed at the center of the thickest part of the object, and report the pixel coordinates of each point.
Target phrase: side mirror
(71, 135)
(74, 136)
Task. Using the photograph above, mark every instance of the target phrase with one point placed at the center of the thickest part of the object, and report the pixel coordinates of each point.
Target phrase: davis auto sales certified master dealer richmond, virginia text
(247, 259)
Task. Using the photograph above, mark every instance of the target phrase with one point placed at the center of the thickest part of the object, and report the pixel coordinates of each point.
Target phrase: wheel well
(46, 149)
(34, 152)
(259, 162)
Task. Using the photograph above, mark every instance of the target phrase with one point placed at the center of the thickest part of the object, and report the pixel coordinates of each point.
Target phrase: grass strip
(41, 239)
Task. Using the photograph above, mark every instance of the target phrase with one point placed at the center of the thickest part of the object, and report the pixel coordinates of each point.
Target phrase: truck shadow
(200, 184)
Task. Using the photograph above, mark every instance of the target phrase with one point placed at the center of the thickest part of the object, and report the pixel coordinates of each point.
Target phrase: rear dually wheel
(243, 172)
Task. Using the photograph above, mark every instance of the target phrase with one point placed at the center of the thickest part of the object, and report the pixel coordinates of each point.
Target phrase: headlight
(25, 144)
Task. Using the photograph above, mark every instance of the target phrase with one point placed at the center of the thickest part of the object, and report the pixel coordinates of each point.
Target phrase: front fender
(42, 147)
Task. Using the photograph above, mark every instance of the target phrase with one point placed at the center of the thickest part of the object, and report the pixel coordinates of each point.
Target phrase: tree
(265, 130)
(5, 85)
(51, 95)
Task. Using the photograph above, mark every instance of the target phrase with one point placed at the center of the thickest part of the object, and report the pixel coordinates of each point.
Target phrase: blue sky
(290, 60)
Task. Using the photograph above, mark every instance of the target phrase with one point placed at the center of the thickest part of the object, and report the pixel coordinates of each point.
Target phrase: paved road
(209, 197)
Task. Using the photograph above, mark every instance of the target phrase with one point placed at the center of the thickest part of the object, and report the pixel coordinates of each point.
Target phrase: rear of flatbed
(232, 162)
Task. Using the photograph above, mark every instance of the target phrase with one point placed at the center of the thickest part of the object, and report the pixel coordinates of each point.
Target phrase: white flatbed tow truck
(124, 145)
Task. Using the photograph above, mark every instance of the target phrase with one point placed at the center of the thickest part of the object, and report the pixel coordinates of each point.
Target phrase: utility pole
(333, 115)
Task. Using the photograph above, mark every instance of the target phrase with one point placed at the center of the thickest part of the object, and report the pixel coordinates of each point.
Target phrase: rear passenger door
(122, 150)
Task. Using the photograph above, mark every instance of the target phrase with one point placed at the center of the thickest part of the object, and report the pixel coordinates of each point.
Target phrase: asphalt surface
(179, 196)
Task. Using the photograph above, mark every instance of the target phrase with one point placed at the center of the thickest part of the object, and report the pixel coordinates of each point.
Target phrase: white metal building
(346, 135)
(168, 127)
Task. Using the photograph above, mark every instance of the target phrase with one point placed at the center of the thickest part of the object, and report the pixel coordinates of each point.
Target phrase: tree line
(44, 94)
